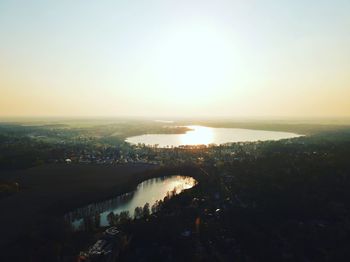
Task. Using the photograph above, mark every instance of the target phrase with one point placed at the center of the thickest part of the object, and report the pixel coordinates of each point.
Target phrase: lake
(149, 191)
(201, 135)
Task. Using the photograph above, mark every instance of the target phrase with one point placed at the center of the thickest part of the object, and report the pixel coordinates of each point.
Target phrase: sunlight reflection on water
(201, 135)
(197, 136)
(149, 191)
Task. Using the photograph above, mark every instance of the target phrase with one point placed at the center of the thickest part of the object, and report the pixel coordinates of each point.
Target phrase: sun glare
(200, 135)
(194, 62)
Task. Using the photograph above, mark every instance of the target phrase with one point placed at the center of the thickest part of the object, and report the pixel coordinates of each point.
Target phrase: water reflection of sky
(148, 191)
(201, 135)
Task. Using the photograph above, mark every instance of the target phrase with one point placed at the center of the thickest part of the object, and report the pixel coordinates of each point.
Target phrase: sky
(175, 58)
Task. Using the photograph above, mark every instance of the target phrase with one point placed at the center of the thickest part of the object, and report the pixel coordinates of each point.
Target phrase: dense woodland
(291, 204)
(280, 201)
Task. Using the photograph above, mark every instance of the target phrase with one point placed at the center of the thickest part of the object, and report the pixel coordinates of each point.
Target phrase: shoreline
(48, 192)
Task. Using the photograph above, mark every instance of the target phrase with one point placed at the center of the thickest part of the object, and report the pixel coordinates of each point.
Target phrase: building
(106, 248)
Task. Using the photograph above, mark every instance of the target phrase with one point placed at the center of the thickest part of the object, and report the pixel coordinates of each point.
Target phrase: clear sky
(175, 58)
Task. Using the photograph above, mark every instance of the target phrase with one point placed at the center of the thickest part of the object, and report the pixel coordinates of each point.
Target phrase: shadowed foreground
(51, 190)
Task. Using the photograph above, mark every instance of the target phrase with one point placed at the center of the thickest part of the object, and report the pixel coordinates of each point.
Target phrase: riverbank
(50, 190)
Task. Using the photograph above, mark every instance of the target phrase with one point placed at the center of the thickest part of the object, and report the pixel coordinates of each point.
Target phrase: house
(106, 248)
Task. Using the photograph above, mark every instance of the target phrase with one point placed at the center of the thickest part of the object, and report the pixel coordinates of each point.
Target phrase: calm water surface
(149, 191)
(200, 135)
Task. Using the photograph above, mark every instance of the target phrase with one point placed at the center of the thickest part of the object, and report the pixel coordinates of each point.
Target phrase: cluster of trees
(115, 219)
(290, 204)
(26, 146)
(23, 147)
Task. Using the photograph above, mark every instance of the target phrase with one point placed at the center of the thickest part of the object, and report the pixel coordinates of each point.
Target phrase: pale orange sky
(175, 58)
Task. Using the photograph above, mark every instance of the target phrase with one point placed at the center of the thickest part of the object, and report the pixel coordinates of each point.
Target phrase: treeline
(290, 204)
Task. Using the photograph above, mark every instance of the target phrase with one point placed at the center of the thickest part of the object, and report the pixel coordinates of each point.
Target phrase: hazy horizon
(43, 120)
(175, 59)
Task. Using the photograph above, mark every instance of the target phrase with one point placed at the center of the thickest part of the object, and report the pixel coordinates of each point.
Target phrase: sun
(194, 63)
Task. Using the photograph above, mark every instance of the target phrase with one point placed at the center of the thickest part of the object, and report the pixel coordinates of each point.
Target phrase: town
(250, 196)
